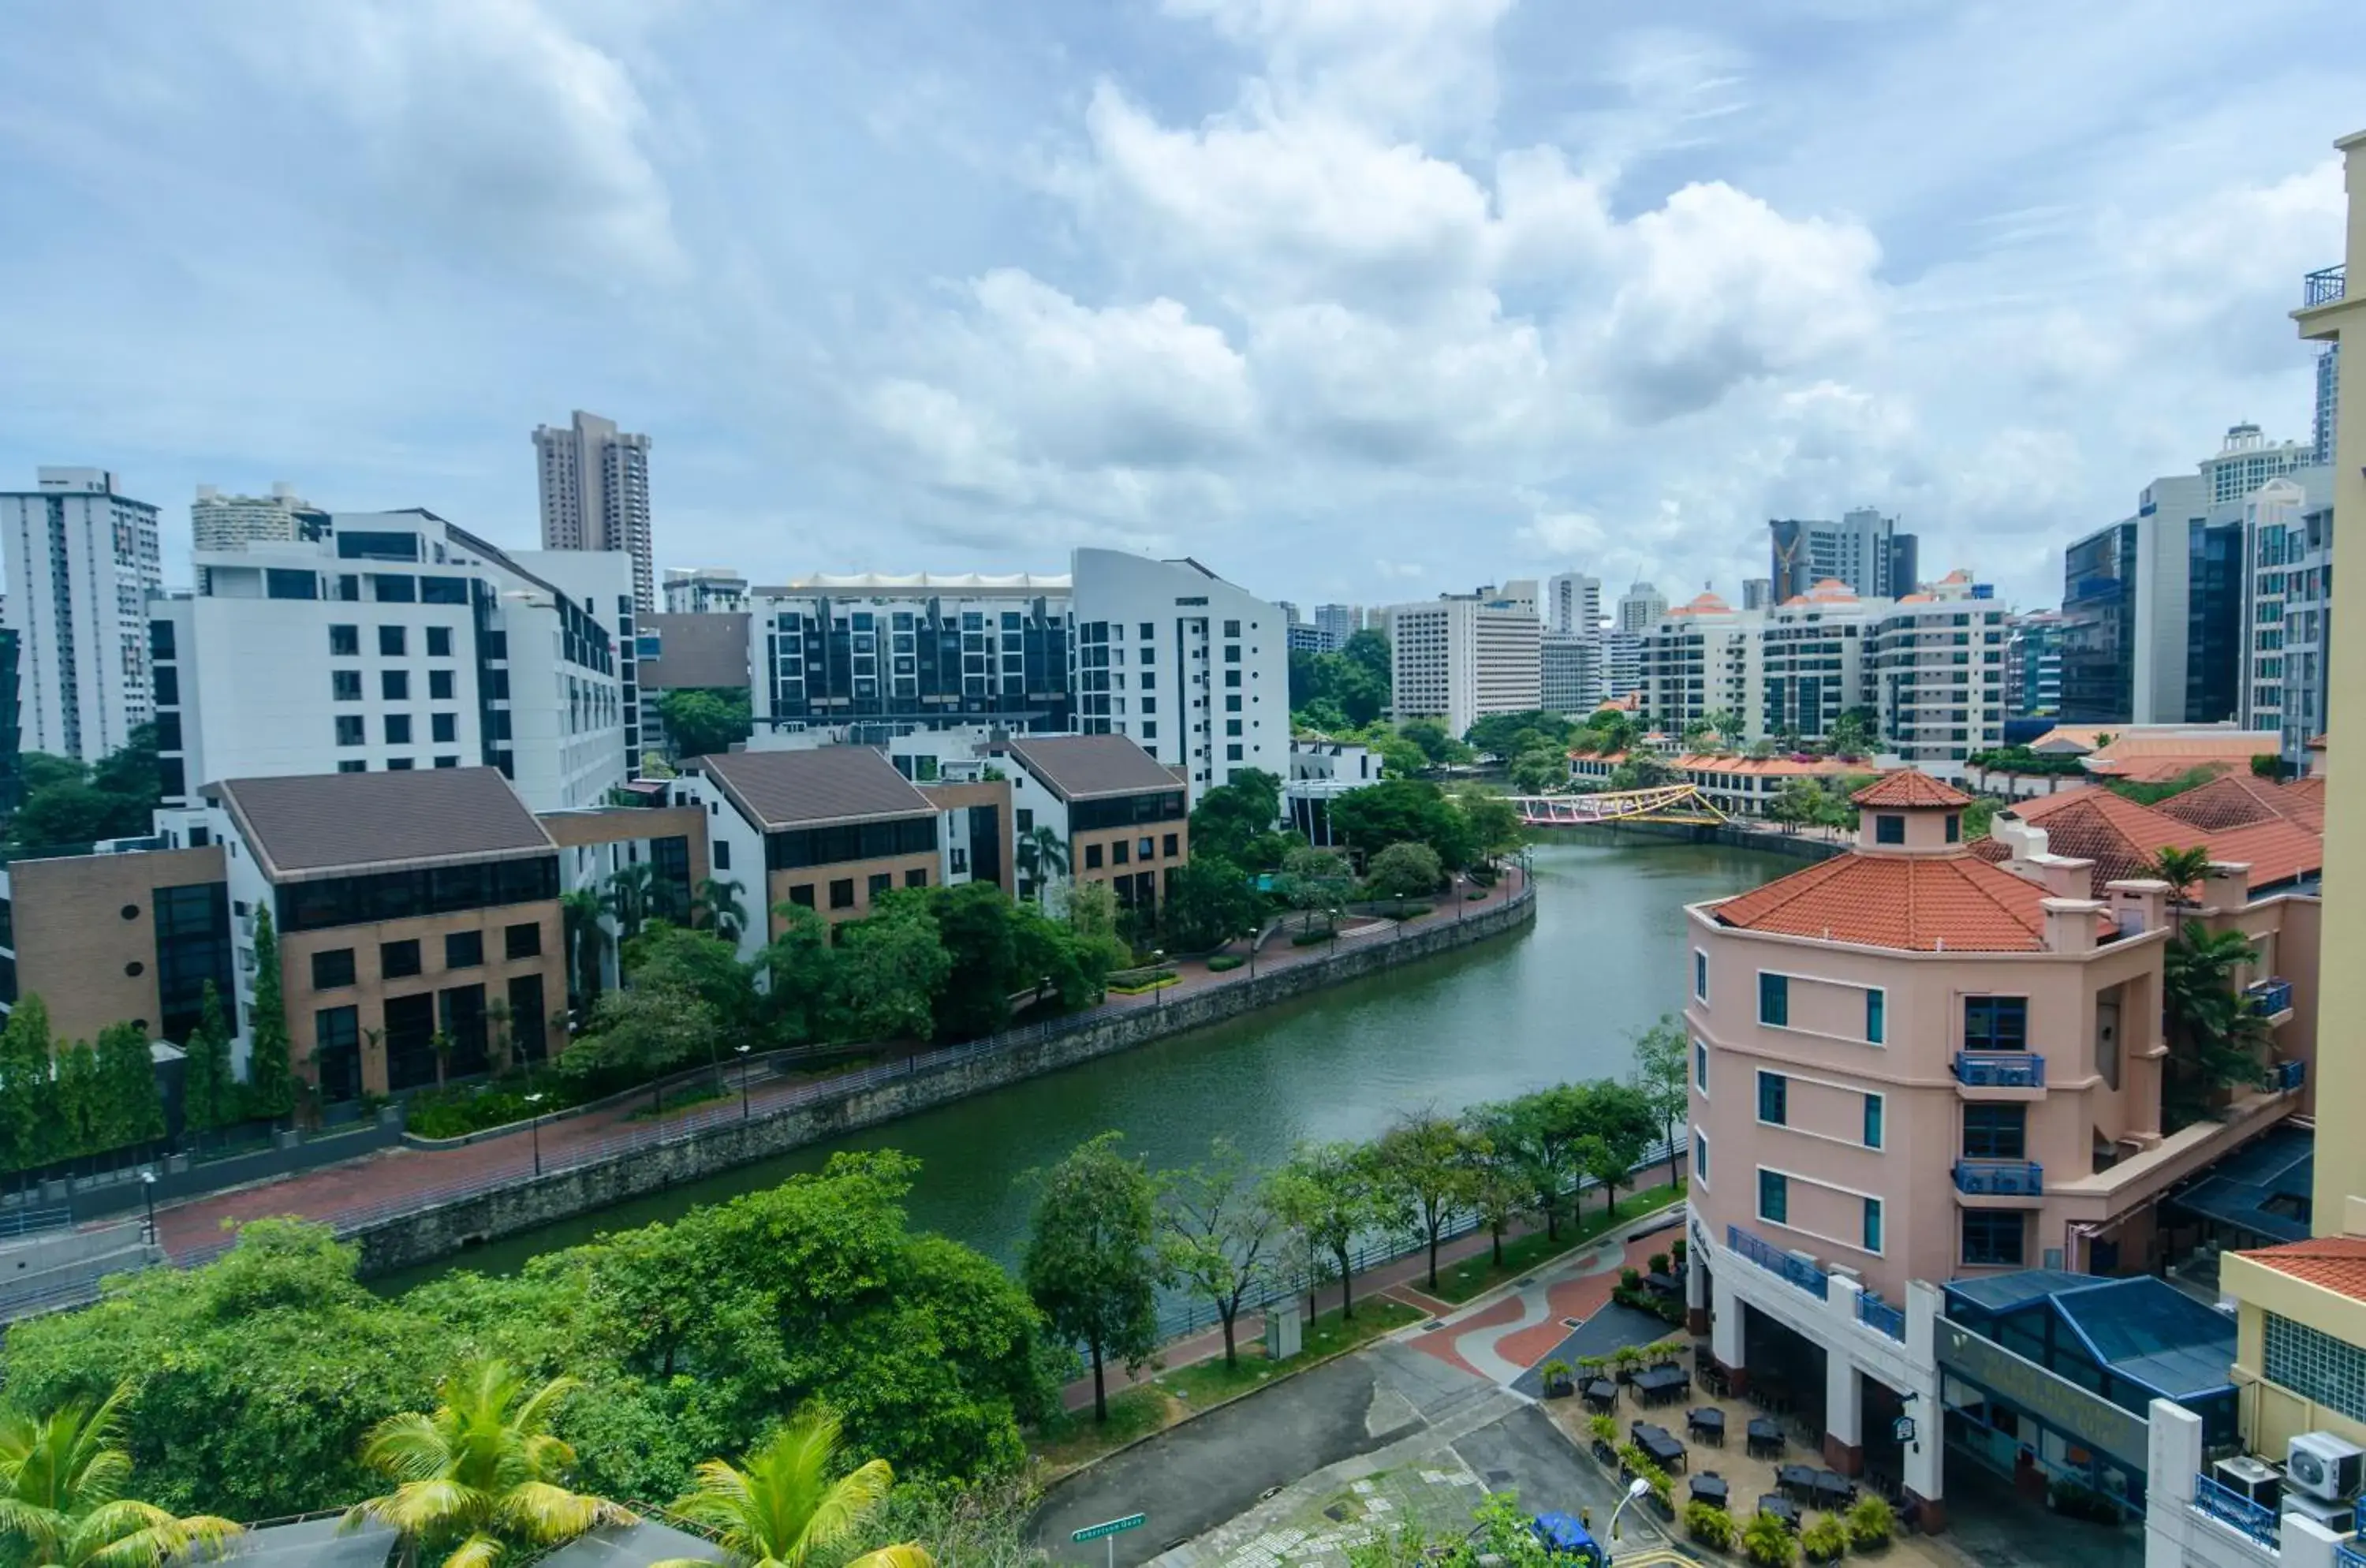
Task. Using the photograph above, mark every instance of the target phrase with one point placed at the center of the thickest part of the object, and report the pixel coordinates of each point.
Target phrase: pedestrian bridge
(1664, 803)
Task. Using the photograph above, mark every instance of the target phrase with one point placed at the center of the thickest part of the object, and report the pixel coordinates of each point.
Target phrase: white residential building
(219, 522)
(82, 559)
(1569, 672)
(1572, 604)
(595, 494)
(1339, 622)
(2246, 459)
(1640, 608)
(1622, 664)
(1939, 670)
(2288, 554)
(398, 641)
(1463, 656)
(704, 591)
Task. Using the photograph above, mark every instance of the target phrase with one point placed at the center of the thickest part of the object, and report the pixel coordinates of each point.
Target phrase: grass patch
(1142, 987)
(1459, 1282)
(1072, 1439)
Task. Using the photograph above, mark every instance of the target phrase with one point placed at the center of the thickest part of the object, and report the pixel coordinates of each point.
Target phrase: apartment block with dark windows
(1121, 816)
(128, 936)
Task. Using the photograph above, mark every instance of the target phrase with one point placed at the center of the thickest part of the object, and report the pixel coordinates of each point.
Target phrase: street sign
(1112, 1526)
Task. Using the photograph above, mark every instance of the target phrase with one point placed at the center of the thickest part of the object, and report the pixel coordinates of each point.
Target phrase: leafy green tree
(30, 1121)
(1405, 870)
(1538, 771)
(209, 1092)
(1399, 757)
(1506, 735)
(1315, 879)
(1090, 1260)
(1495, 822)
(1216, 1232)
(669, 958)
(975, 926)
(799, 970)
(639, 1036)
(582, 915)
(1535, 1134)
(40, 769)
(270, 1081)
(1332, 692)
(1663, 1065)
(62, 1477)
(1641, 772)
(482, 1476)
(703, 721)
(720, 908)
(2216, 1040)
(2183, 870)
(1437, 742)
(82, 1110)
(1398, 811)
(133, 1107)
(67, 803)
(891, 967)
(631, 896)
(1092, 922)
(1329, 1194)
(1052, 960)
(1498, 1186)
(1980, 817)
(1209, 901)
(786, 1505)
(1236, 821)
(1422, 1172)
(1043, 857)
(1852, 734)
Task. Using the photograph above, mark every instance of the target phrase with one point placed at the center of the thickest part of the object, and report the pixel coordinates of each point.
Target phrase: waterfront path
(358, 1192)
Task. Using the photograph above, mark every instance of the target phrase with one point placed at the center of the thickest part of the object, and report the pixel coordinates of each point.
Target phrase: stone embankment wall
(437, 1231)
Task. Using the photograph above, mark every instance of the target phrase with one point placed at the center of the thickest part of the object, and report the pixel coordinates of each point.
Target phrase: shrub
(1677, 1249)
(1630, 1278)
(1767, 1541)
(1556, 1374)
(1605, 1430)
(1709, 1525)
(1825, 1540)
(1475, 897)
(1309, 939)
(1659, 1262)
(1870, 1523)
(1225, 960)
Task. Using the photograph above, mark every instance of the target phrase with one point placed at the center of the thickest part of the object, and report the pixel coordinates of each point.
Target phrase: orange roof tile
(2336, 1263)
(2239, 800)
(1917, 903)
(2276, 851)
(2121, 837)
(1909, 787)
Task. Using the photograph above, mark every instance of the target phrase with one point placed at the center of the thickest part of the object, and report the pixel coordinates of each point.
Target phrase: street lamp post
(534, 1130)
(743, 1049)
(1158, 990)
(1332, 914)
(147, 1191)
(1636, 1490)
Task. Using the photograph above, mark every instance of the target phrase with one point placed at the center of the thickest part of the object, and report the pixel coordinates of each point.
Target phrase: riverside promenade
(366, 1193)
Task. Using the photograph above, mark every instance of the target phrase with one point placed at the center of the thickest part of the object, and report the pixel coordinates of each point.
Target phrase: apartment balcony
(1804, 1272)
(2000, 1074)
(2271, 999)
(2290, 1078)
(2000, 1178)
(2325, 285)
(1881, 1316)
(2236, 1512)
(2348, 1554)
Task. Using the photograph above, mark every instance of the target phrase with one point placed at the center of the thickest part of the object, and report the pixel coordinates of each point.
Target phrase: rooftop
(313, 823)
(707, 651)
(1907, 788)
(1080, 767)
(2141, 1327)
(814, 788)
(1020, 582)
(2242, 799)
(1953, 903)
(2262, 1190)
(2336, 1263)
(2122, 837)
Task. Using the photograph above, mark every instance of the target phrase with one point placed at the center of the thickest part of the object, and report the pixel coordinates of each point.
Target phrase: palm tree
(61, 1478)
(631, 896)
(2180, 869)
(720, 908)
(481, 1472)
(2215, 1038)
(587, 941)
(1043, 855)
(780, 1506)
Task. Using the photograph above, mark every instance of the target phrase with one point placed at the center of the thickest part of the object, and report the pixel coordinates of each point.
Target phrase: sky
(1354, 301)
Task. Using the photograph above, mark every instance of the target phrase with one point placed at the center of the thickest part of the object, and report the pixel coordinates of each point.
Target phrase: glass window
(1954, 828)
(1874, 1005)
(1700, 1064)
(722, 855)
(1700, 973)
(1171, 843)
(1873, 1121)
(1996, 1132)
(333, 968)
(1888, 827)
(2316, 1366)
(394, 685)
(398, 729)
(278, 583)
(1775, 999)
(1773, 1099)
(802, 895)
(1996, 1024)
(842, 893)
(1872, 1225)
(398, 960)
(443, 591)
(447, 762)
(1120, 852)
(1992, 1238)
(1700, 1156)
(522, 940)
(344, 642)
(444, 727)
(349, 730)
(390, 641)
(346, 685)
(1774, 1197)
(394, 587)
(915, 878)
(463, 950)
(439, 685)
(439, 642)
(881, 881)
(1092, 857)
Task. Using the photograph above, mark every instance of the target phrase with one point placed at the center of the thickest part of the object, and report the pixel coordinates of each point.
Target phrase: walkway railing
(2000, 1177)
(32, 1222)
(2000, 1069)
(1807, 1274)
(2348, 1554)
(2291, 1075)
(2269, 998)
(2324, 286)
(1875, 1313)
(2232, 1509)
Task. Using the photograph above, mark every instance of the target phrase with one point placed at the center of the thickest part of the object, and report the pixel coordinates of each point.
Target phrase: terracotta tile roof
(2159, 757)
(2276, 851)
(808, 789)
(1080, 767)
(2121, 837)
(1910, 787)
(312, 823)
(2336, 1263)
(1918, 902)
(2239, 800)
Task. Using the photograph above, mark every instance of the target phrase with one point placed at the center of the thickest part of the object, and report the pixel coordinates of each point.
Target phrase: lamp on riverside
(1157, 985)
(147, 1191)
(743, 1049)
(534, 1129)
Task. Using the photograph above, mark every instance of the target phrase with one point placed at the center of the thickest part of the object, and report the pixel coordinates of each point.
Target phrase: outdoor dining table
(1782, 1508)
(1709, 1489)
(1765, 1435)
(1708, 1422)
(1602, 1393)
(1812, 1485)
(1660, 1444)
(1662, 1383)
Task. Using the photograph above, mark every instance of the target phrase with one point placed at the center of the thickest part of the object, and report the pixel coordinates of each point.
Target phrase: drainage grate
(1572, 1322)
(1432, 1327)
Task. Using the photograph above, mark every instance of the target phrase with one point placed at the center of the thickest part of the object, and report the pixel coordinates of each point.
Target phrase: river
(1604, 958)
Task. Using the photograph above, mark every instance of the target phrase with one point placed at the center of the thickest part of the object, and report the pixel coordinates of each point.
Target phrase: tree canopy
(1397, 811)
(69, 803)
(1346, 690)
(1090, 1260)
(699, 720)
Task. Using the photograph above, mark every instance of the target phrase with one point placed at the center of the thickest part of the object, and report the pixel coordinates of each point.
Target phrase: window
(1172, 843)
(1700, 975)
(1992, 1238)
(398, 729)
(1874, 1005)
(344, 642)
(399, 764)
(1888, 827)
(346, 685)
(1775, 999)
(1774, 1197)
(1092, 857)
(1996, 1024)
(394, 685)
(1231, 628)
(439, 685)
(443, 727)
(394, 587)
(915, 878)
(722, 855)
(1872, 1225)
(1955, 827)
(881, 881)
(1700, 1156)
(439, 642)
(1700, 1064)
(398, 960)
(1996, 1132)
(355, 766)
(463, 950)
(1773, 1099)
(2316, 1366)
(802, 895)
(447, 762)
(1120, 852)
(1232, 678)
(1145, 848)
(443, 591)
(1232, 754)
(333, 968)
(842, 893)
(1024, 820)
(1873, 1121)
(522, 940)
(390, 641)
(349, 730)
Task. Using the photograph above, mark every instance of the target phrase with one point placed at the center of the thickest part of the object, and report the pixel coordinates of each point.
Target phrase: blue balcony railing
(2230, 1507)
(2269, 998)
(1800, 1271)
(2348, 1554)
(2000, 1069)
(1875, 1313)
(2291, 1075)
(2322, 287)
(1999, 1178)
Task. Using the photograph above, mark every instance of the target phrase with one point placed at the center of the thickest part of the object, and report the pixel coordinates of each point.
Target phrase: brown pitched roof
(1909, 787)
(709, 651)
(1080, 767)
(812, 788)
(2239, 800)
(2336, 1263)
(1918, 902)
(2121, 837)
(319, 822)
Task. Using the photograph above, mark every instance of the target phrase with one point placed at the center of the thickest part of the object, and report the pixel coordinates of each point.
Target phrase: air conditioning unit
(2254, 1478)
(2324, 1466)
(2341, 1517)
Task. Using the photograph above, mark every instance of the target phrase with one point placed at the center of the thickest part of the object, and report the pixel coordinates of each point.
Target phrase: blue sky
(1352, 299)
